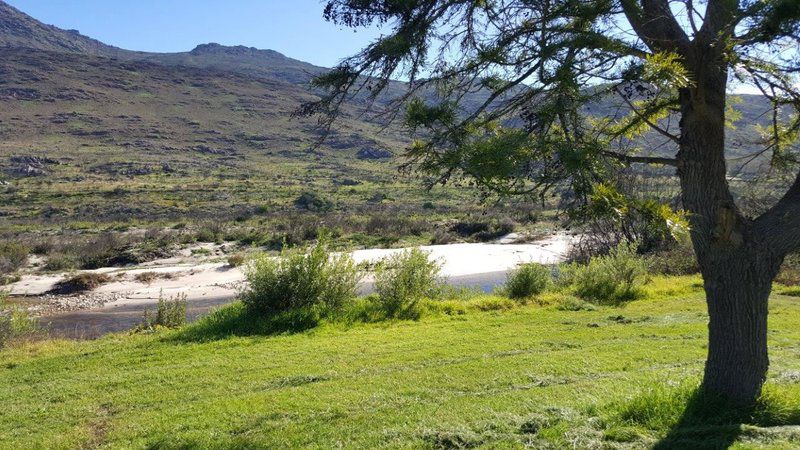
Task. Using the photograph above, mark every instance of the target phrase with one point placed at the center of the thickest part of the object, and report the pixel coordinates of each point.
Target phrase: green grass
(530, 375)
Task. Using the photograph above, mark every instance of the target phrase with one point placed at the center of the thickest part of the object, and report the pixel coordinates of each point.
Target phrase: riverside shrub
(615, 278)
(405, 278)
(528, 280)
(313, 280)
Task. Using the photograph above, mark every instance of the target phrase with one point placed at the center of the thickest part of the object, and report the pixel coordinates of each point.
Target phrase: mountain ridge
(18, 30)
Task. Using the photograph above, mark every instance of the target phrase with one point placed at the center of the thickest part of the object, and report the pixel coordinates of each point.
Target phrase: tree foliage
(537, 67)
(501, 92)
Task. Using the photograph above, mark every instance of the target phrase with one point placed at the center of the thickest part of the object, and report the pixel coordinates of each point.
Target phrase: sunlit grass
(474, 370)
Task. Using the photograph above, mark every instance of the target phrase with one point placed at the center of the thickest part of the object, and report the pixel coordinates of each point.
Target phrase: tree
(500, 92)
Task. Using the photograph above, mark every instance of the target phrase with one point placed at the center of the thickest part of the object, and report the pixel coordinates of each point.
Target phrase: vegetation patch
(83, 282)
(528, 280)
(403, 280)
(612, 279)
(313, 283)
(170, 313)
(13, 256)
(150, 277)
(15, 323)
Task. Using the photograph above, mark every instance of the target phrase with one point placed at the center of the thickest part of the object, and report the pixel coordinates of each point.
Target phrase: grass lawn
(532, 375)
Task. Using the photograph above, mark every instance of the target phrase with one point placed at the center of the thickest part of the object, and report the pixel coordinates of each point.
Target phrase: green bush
(236, 260)
(528, 280)
(405, 278)
(170, 313)
(574, 304)
(15, 323)
(314, 280)
(611, 279)
(313, 201)
(12, 257)
(678, 260)
(57, 262)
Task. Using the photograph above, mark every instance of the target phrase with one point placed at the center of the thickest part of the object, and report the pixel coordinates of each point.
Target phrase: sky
(293, 27)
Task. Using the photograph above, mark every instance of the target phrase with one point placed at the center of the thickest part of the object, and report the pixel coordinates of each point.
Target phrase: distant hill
(18, 29)
(66, 95)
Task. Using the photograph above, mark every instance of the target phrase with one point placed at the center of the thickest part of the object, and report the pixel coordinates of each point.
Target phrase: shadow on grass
(711, 422)
(236, 320)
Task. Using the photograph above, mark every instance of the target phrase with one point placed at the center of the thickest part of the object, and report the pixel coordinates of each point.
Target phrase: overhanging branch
(628, 159)
(780, 226)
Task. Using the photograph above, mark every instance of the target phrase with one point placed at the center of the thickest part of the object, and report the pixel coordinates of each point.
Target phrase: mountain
(240, 59)
(78, 116)
(18, 29)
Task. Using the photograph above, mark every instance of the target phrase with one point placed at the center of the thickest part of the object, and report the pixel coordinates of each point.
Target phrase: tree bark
(737, 263)
(737, 292)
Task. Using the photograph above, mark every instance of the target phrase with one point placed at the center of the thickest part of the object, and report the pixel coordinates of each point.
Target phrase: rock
(373, 153)
(211, 151)
(27, 171)
(35, 161)
(19, 94)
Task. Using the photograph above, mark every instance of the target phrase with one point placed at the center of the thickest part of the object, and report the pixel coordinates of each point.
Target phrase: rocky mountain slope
(78, 117)
(18, 29)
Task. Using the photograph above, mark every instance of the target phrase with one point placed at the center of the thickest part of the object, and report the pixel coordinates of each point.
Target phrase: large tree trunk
(737, 291)
(737, 269)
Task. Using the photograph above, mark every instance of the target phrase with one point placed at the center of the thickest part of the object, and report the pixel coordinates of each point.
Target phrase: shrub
(12, 257)
(314, 280)
(574, 304)
(616, 213)
(57, 262)
(492, 303)
(483, 230)
(99, 251)
(80, 283)
(211, 231)
(678, 260)
(312, 201)
(149, 277)
(405, 278)
(236, 260)
(109, 249)
(15, 323)
(527, 281)
(790, 270)
(610, 279)
(170, 313)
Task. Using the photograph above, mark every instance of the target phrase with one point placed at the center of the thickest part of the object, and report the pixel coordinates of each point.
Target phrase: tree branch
(644, 119)
(780, 226)
(640, 159)
(655, 24)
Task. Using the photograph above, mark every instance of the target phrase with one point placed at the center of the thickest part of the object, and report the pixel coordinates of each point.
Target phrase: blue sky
(292, 27)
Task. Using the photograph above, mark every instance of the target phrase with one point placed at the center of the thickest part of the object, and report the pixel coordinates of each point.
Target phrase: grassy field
(535, 375)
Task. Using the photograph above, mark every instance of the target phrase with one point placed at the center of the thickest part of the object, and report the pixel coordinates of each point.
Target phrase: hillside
(17, 29)
(90, 132)
(75, 122)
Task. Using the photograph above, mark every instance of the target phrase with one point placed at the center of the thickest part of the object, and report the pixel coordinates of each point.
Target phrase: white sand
(198, 280)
